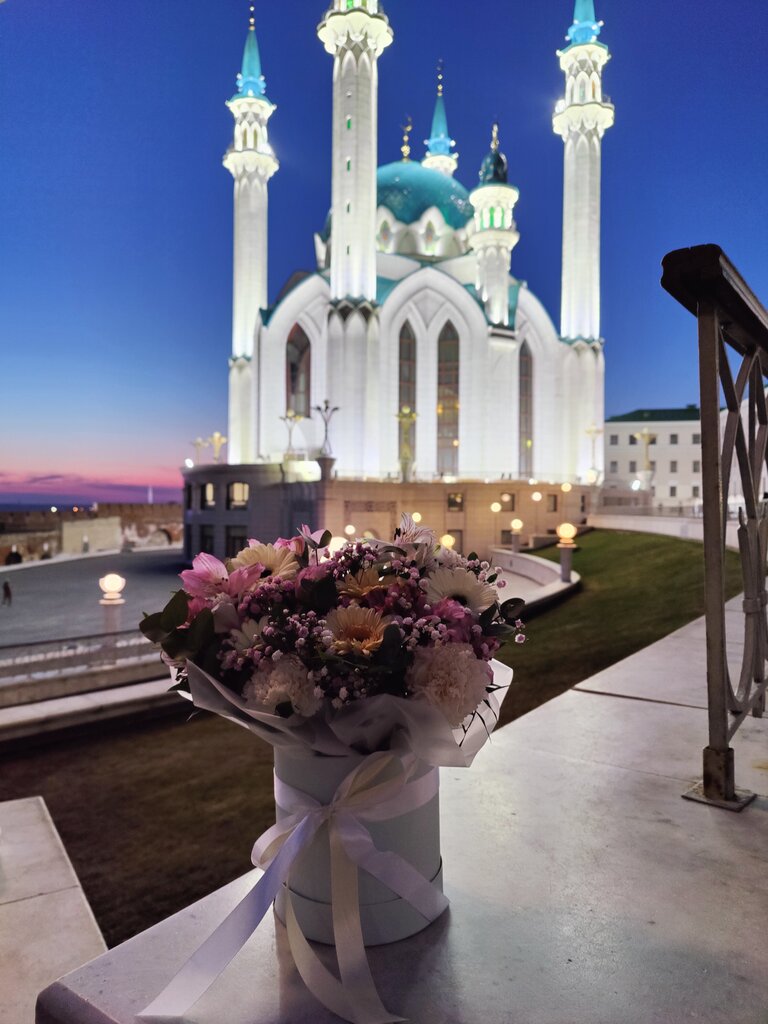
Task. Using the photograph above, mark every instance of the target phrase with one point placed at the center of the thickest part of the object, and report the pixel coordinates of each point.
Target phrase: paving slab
(582, 893)
(46, 925)
(673, 670)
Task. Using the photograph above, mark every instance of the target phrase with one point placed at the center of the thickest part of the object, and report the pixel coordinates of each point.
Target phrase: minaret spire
(440, 144)
(581, 119)
(355, 33)
(585, 29)
(251, 162)
(495, 234)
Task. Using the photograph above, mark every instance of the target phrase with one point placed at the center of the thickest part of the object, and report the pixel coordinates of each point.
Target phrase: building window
(298, 357)
(207, 496)
(206, 539)
(236, 540)
(448, 401)
(696, 439)
(406, 396)
(583, 504)
(613, 467)
(673, 438)
(455, 501)
(509, 501)
(188, 496)
(551, 503)
(632, 466)
(653, 467)
(696, 466)
(613, 439)
(525, 382)
(695, 491)
(673, 466)
(673, 491)
(237, 496)
(632, 439)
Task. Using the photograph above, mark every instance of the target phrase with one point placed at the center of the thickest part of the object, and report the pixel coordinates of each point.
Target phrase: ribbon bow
(379, 788)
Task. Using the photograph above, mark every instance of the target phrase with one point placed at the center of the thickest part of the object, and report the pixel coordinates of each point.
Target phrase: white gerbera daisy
(461, 586)
(278, 561)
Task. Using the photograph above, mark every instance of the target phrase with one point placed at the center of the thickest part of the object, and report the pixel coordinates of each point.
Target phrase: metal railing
(52, 668)
(731, 323)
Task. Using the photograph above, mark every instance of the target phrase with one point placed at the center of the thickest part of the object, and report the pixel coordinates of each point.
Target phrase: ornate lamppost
(217, 441)
(326, 459)
(290, 420)
(406, 418)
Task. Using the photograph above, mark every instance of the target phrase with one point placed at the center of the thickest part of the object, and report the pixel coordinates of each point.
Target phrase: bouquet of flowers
(366, 666)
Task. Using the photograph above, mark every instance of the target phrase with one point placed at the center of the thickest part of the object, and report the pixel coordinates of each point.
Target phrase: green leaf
(152, 629)
(175, 612)
(201, 631)
(512, 609)
(472, 556)
(325, 540)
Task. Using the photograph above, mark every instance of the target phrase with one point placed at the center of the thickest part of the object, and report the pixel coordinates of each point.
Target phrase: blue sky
(115, 212)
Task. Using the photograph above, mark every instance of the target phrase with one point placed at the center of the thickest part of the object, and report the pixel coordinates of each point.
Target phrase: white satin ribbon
(366, 794)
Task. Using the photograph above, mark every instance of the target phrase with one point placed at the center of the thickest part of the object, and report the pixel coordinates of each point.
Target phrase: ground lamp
(517, 525)
(495, 508)
(565, 534)
(112, 588)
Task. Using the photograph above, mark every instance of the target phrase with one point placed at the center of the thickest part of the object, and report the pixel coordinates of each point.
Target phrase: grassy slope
(636, 589)
(156, 816)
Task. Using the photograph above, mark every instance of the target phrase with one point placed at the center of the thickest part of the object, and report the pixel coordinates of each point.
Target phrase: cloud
(74, 488)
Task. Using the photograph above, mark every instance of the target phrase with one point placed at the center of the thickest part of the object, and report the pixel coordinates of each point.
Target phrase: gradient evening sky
(115, 212)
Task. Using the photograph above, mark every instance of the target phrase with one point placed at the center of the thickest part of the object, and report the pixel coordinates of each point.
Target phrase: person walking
(7, 593)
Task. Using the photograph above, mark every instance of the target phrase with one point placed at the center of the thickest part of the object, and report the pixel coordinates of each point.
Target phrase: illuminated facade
(413, 324)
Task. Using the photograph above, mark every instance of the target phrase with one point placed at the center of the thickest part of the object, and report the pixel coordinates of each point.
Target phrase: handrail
(729, 314)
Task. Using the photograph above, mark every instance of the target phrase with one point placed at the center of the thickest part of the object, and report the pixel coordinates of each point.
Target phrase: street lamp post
(112, 586)
(565, 534)
(517, 525)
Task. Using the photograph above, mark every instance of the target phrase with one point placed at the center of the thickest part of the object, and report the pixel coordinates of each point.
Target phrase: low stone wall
(684, 527)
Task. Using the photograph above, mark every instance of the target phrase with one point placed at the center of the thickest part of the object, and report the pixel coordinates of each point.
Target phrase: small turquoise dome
(408, 190)
(493, 170)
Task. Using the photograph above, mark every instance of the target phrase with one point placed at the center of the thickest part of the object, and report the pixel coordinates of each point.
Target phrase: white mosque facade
(441, 360)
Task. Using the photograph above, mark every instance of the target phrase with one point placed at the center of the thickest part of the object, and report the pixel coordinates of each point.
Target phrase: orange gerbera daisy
(356, 630)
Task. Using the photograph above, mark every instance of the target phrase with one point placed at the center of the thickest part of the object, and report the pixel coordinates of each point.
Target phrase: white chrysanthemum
(448, 557)
(451, 678)
(248, 635)
(278, 561)
(281, 682)
(462, 586)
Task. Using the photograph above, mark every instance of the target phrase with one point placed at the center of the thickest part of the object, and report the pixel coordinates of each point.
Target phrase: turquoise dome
(408, 190)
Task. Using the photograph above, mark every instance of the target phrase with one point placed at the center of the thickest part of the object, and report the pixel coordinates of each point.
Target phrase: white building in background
(658, 452)
(413, 305)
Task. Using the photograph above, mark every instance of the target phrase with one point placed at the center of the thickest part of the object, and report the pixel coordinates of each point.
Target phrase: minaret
(251, 162)
(440, 144)
(495, 232)
(355, 32)
(581, 118)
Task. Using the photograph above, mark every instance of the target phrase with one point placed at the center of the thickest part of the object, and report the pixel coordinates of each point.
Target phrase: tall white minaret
(355, 32)
(251, 162)
(440, 145)
(495, 232)
(580, 119)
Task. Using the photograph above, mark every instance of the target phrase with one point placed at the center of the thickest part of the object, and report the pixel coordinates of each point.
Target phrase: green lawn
(156, 816)
(636, 588)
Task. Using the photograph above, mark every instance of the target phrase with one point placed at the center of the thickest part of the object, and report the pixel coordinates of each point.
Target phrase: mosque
(412, 310)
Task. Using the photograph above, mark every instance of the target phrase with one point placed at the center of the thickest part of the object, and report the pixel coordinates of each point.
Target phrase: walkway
(590, 893)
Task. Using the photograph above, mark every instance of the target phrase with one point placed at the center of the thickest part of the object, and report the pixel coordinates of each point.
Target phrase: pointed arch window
(525, 372)
(298, 359)
(448, 401)
(407, 392)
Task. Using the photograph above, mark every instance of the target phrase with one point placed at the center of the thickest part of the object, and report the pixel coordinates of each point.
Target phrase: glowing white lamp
(495, 506)
(416, 517)
(350, 530)
(447, 540)
(536, 496)
(112, 586)
(517, 525)
(566, 488)
(565, 533)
